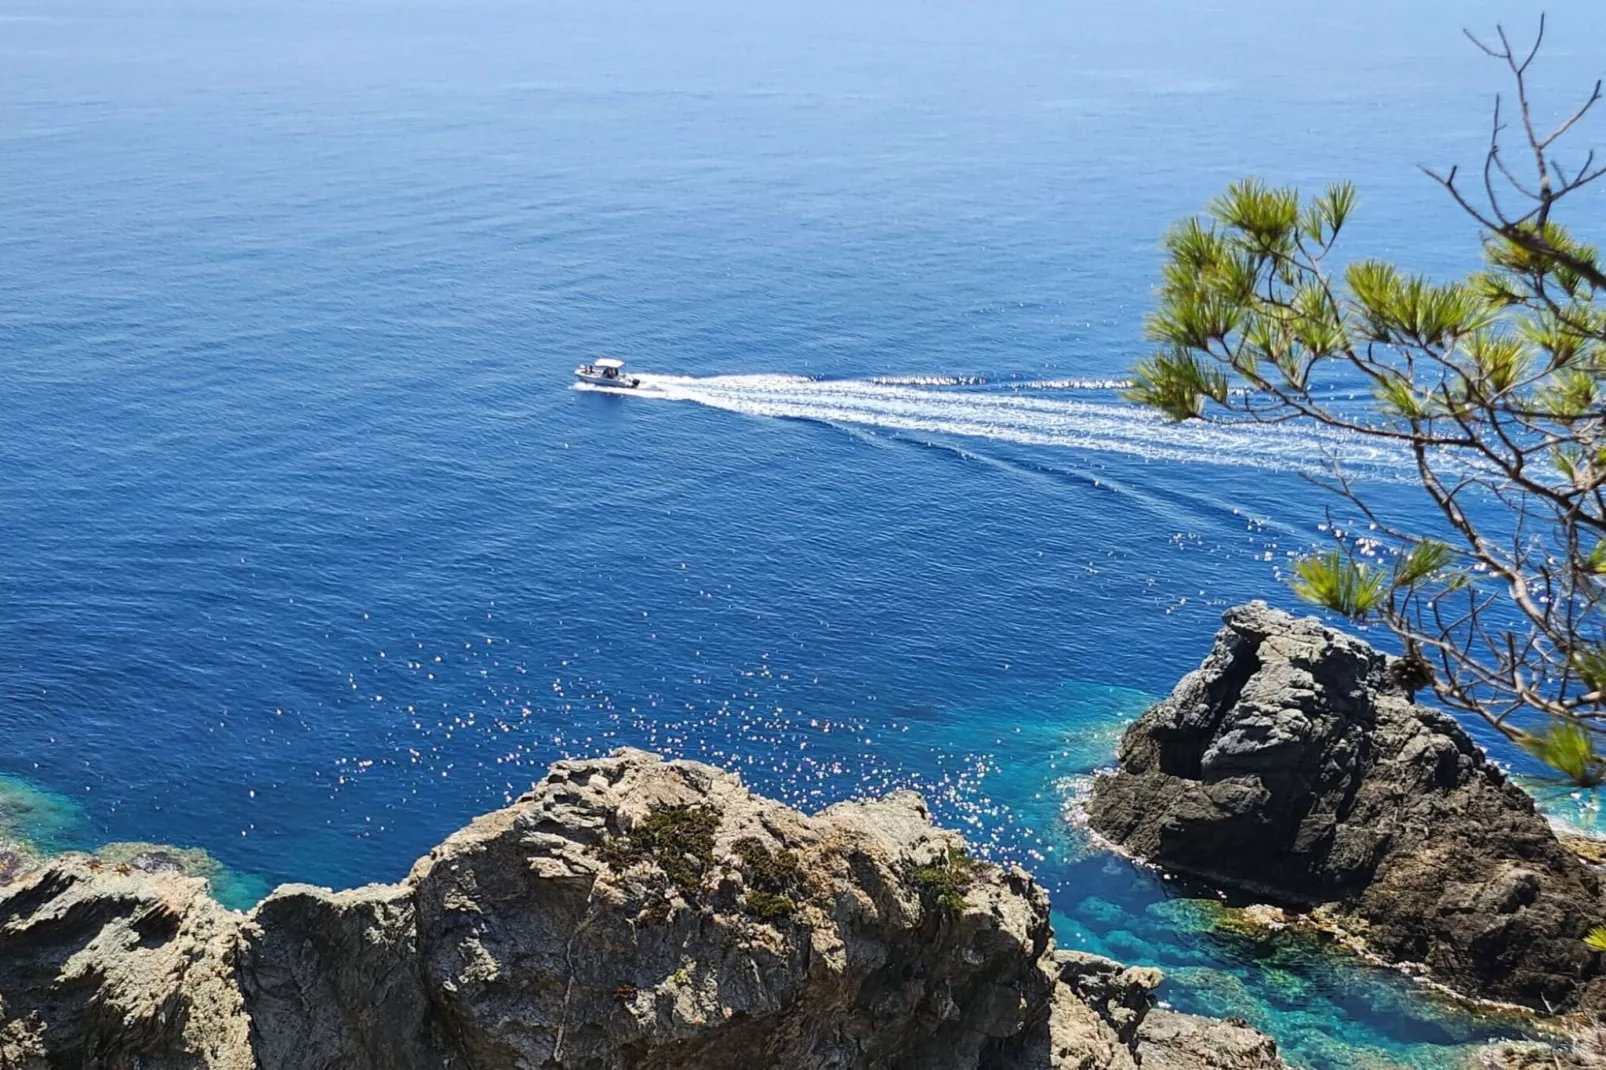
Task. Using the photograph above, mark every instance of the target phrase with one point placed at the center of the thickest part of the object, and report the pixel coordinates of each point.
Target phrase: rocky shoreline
(628, 912)
(633, 912)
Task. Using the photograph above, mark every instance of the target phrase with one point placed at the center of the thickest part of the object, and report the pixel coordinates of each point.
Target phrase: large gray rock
(1121, 995)
(1288, 767)
(1172, 1041)
(626, 914)
(544, 949)
(332, 980)
(106, 969)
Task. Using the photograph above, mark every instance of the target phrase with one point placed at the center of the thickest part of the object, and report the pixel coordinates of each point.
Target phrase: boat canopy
(607, 362)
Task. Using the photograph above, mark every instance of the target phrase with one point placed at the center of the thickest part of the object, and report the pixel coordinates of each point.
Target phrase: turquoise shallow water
(311, 553)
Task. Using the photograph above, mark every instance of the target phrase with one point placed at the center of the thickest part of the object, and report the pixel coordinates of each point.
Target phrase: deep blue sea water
(311, 553)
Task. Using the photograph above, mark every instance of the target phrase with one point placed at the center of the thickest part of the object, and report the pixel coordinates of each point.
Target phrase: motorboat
(606, 371)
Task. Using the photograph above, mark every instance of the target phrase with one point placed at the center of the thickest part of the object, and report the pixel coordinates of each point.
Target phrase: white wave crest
(1011, 416)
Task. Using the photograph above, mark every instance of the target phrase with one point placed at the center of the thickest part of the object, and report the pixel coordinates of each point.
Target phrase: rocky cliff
(1288, 767)
(626, 913)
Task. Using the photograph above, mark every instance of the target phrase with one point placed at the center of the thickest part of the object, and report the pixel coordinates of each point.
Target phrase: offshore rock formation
(626, 913)
(1289, 768)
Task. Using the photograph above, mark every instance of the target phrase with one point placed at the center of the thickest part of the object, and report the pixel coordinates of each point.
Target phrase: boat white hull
(622, 382)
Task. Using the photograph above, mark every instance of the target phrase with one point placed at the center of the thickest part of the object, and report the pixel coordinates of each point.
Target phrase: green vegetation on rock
(773, 877)
(678, 839)
(943, 883)
(768, 905)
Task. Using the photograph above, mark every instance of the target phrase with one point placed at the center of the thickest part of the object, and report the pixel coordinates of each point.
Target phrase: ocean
(311, 551)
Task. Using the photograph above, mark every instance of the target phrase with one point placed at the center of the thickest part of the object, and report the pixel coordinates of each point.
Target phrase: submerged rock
(1588, 1053)
(626, 914)
(1588, 848)
(16, 860)
(160, 858)
(1289, 768)
(20, 856)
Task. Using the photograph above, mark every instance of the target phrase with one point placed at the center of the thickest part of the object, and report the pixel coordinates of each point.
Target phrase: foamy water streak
(929, 380)
(1070, 384)
(1102, 423)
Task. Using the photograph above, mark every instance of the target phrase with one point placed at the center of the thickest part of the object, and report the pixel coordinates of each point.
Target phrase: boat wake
(1073, 414)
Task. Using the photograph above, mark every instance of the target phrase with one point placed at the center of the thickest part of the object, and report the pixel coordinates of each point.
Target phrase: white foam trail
(929, 380)
(1072, 384)
(1100, 425)
(1008, 384)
